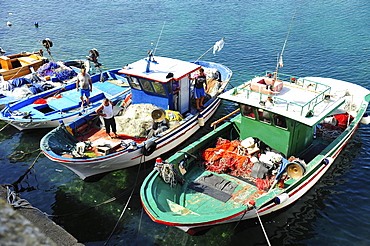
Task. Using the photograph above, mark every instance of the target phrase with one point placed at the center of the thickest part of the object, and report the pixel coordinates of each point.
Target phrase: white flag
(281, 64)
(218, 45)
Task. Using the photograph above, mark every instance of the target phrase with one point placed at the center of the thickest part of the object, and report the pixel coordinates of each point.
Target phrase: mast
(279, 62)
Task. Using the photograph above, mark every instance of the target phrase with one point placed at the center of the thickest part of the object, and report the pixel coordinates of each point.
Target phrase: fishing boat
(63, 104)
(19, 65)
(49, 75)
(159, 118)
(287, 133)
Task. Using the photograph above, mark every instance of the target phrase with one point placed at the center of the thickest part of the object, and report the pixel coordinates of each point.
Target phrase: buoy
(9, 23)
(149, 147)
(200, 120)
(281, 198)
(36, 24)
(327, 161)
(365, 119)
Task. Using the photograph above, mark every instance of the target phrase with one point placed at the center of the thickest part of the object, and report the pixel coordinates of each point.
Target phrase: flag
(218, 45)
(281, 64)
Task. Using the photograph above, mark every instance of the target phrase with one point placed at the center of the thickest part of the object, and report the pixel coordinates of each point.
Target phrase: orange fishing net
(231, 158)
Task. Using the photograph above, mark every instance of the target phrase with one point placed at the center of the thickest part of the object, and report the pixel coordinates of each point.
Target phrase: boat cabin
(284, 119)
(154, 80)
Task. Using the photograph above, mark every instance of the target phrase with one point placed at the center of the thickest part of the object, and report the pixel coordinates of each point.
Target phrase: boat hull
(85, 168)
(182, 207)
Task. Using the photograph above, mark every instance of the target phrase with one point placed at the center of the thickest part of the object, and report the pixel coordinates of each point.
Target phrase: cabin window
(146, 84)
(264, 116)
(134, 82)
(158, 87)
(248, 111)
(280, 121)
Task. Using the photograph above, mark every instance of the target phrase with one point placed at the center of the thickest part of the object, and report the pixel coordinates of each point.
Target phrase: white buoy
(281, 198)
(365, 119)
(9, 23)
(200, 120)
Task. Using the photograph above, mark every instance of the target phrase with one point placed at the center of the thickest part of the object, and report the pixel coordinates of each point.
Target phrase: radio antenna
(155, 49)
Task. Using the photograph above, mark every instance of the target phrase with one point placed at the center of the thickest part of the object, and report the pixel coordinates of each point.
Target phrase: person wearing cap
(84, 83)
(106, 111)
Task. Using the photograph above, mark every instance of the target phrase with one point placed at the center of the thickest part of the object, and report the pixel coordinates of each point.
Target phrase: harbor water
(327, 39)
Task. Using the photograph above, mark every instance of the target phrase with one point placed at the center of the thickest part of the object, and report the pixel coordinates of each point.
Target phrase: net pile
(135, 120)
(231, 158)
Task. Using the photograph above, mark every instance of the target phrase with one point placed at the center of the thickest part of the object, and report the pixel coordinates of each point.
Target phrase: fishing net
(57, 69)
(230, 157)
(136, 120)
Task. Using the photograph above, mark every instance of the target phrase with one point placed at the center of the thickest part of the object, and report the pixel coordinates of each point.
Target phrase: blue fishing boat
(49, 75)
(162, 115)
(63, 104)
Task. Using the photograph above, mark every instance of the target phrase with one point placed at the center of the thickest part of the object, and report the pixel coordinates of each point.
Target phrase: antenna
(279, 62)
(155, 49)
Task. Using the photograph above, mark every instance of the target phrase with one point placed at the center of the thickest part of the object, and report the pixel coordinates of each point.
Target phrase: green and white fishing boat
(287, 133)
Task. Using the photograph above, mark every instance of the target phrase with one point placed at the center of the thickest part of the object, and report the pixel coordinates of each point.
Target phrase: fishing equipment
(47, 43)
(296, 169)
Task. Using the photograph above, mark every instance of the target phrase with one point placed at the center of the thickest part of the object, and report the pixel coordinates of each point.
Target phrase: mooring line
(29, 168)
(126, 205)
(263, 229)
(4, 127)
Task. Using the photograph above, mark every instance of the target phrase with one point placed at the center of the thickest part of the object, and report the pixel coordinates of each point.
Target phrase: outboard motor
(47, 44)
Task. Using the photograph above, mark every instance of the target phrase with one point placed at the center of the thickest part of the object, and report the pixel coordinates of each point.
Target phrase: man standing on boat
(84, 82)
(106, 111)
(199, 91)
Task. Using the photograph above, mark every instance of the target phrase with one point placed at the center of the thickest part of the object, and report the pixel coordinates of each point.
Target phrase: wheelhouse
(153, 80)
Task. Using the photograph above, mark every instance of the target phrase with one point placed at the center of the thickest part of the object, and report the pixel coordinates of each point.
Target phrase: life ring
(149, 147)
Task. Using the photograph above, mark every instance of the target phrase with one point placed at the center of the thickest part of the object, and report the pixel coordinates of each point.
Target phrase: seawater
(328, 39)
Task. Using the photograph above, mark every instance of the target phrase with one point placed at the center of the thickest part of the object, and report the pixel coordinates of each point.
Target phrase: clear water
(328, 39)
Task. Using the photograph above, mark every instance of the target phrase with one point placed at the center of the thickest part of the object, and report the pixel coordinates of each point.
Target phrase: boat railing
(322, 92)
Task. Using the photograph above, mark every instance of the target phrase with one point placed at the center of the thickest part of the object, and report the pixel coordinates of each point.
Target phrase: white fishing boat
(84, 147)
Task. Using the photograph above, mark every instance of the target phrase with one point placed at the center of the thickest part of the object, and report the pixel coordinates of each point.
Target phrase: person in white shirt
(106, 111)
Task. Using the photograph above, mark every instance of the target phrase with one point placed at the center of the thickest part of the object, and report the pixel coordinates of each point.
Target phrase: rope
(22, 153)
(4, 127)
(125, 207)
(18, 203)
(29, 168)
(168, 174)
(263, 229)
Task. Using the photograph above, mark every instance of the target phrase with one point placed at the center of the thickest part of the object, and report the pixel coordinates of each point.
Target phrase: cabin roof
(295, 100)
(159, 69)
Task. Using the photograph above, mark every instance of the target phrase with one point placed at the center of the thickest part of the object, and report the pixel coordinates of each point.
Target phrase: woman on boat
(106, 111)
(200, 87)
